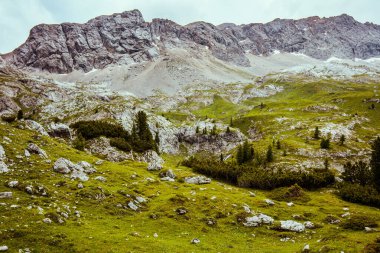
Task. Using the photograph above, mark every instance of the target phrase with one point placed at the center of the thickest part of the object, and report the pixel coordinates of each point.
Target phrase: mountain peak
(124, 38)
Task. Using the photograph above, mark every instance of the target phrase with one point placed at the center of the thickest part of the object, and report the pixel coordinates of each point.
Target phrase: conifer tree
(240, 155)
(375, 162)
(228, 130)
(316, 133)
(197, 130)
(278, 144)
(269, 154)
(342, 139)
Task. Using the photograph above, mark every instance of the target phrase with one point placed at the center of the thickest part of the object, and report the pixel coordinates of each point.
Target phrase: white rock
(2, 153)
(32, 125)
(78, 174)
(13, 184)
(290, 204)
(64, 166)
(292, 226)
(100, 178)
(247, 209)
(140, 199)
(88, 168)
(346, 214)
(132, 206)
(155, 235)
(308, 224)
(3, 248)
(198, 180)
(269, 202)
(3, 167)
(47, 220)
(168, 179)
(26, 153)
(6, 195)
(252, 194)
(34, 149)
(80, 186)
(306, 248)
(195, 241)
(258, 220)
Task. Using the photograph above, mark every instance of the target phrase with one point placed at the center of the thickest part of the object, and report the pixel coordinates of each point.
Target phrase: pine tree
(20, 115)
(228, 130)
(240, 155)
(375, 162)
(325, 144)
(141, 135)
(157, 138)
(197, 130)
(326, 164)
(278, 144)
(316, 133)
(221, 157)
(246, 152)
(205, 130)
(269, 154)
(213, 130)
(342, 139)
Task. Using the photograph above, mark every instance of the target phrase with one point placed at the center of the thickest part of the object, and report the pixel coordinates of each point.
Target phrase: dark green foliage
(357, 173)
(121, 144)
(342, 139)
(356, 193)
(204, 130)
(269, 155)
(375, 162)
(372, 107)
(359, 222)
(326, 164)
(79, 142)
(245, 153)
(94, 129)
(278, 144)
(8, 118)
(325, 144)
(213, 130)
(140, 140)
(373, 247)
(20, 115)
(292, 193)
(222, 157)
(316, 133)
(197, 130)
(258, 177)
(228, 130)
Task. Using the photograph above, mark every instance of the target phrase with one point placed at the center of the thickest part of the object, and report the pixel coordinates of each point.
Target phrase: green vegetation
(259, 177)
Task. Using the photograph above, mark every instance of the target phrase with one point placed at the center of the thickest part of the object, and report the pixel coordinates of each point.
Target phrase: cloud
(17, 17)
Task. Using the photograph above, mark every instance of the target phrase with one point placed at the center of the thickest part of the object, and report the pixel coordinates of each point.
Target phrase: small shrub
(359, 222)
(121, 144)
(356, 193)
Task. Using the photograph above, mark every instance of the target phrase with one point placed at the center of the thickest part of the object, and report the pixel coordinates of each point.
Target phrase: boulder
(6, 195)
(3, 167)
(155, 162)
(100, 178)
(258, 220)
(34, 149)
(64, 166)
(169, 174)
(309, 224)
(34, 126)
(195, 241)
(269, 202)
(88, 168)
(13, 184)
(198, 180)
(2, 153)
(132, 206)
(291, 225)
(47, 220)
(4, 248)
(59, 130)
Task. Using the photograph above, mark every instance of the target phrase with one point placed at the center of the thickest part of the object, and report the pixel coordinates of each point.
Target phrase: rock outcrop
(125, 38)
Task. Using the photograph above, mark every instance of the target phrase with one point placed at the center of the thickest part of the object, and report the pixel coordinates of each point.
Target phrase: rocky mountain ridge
(126, 38)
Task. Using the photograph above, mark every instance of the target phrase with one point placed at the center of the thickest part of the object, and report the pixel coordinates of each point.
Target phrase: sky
(17, 17)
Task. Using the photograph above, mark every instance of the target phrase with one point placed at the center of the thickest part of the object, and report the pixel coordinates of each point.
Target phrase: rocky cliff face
(126, 38)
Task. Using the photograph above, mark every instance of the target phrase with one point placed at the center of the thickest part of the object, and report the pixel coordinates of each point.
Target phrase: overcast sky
(17, 17)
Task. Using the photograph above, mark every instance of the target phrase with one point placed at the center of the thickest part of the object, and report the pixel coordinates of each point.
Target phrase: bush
(258, 177)
(292, 193)
(356, 193)
(359, 222)
(373, 247)
(325, 144)
(8, 118)
(358, 172)
(79, 143)
(121, 144)
(94, 129)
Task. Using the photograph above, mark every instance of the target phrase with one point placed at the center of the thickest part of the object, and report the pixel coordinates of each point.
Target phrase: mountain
(126, 38)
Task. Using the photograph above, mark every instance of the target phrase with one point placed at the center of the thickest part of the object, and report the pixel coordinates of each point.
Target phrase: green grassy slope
(104, 227)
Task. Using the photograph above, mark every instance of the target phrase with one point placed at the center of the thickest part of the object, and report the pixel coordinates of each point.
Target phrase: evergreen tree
(205, 130)
(221, 157)
(342, 139)
(375, 162)
(20, 115)
(197, 130)
(141, 135)
(157, 138)
(252, 153)
(278, 144)
(246, 152)
(213, 130)
(240, 155)
(325, 144)
(284, 153)
(316, 133)
(326, 164)
(357, 173)
(228, 130)
(269, 154)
